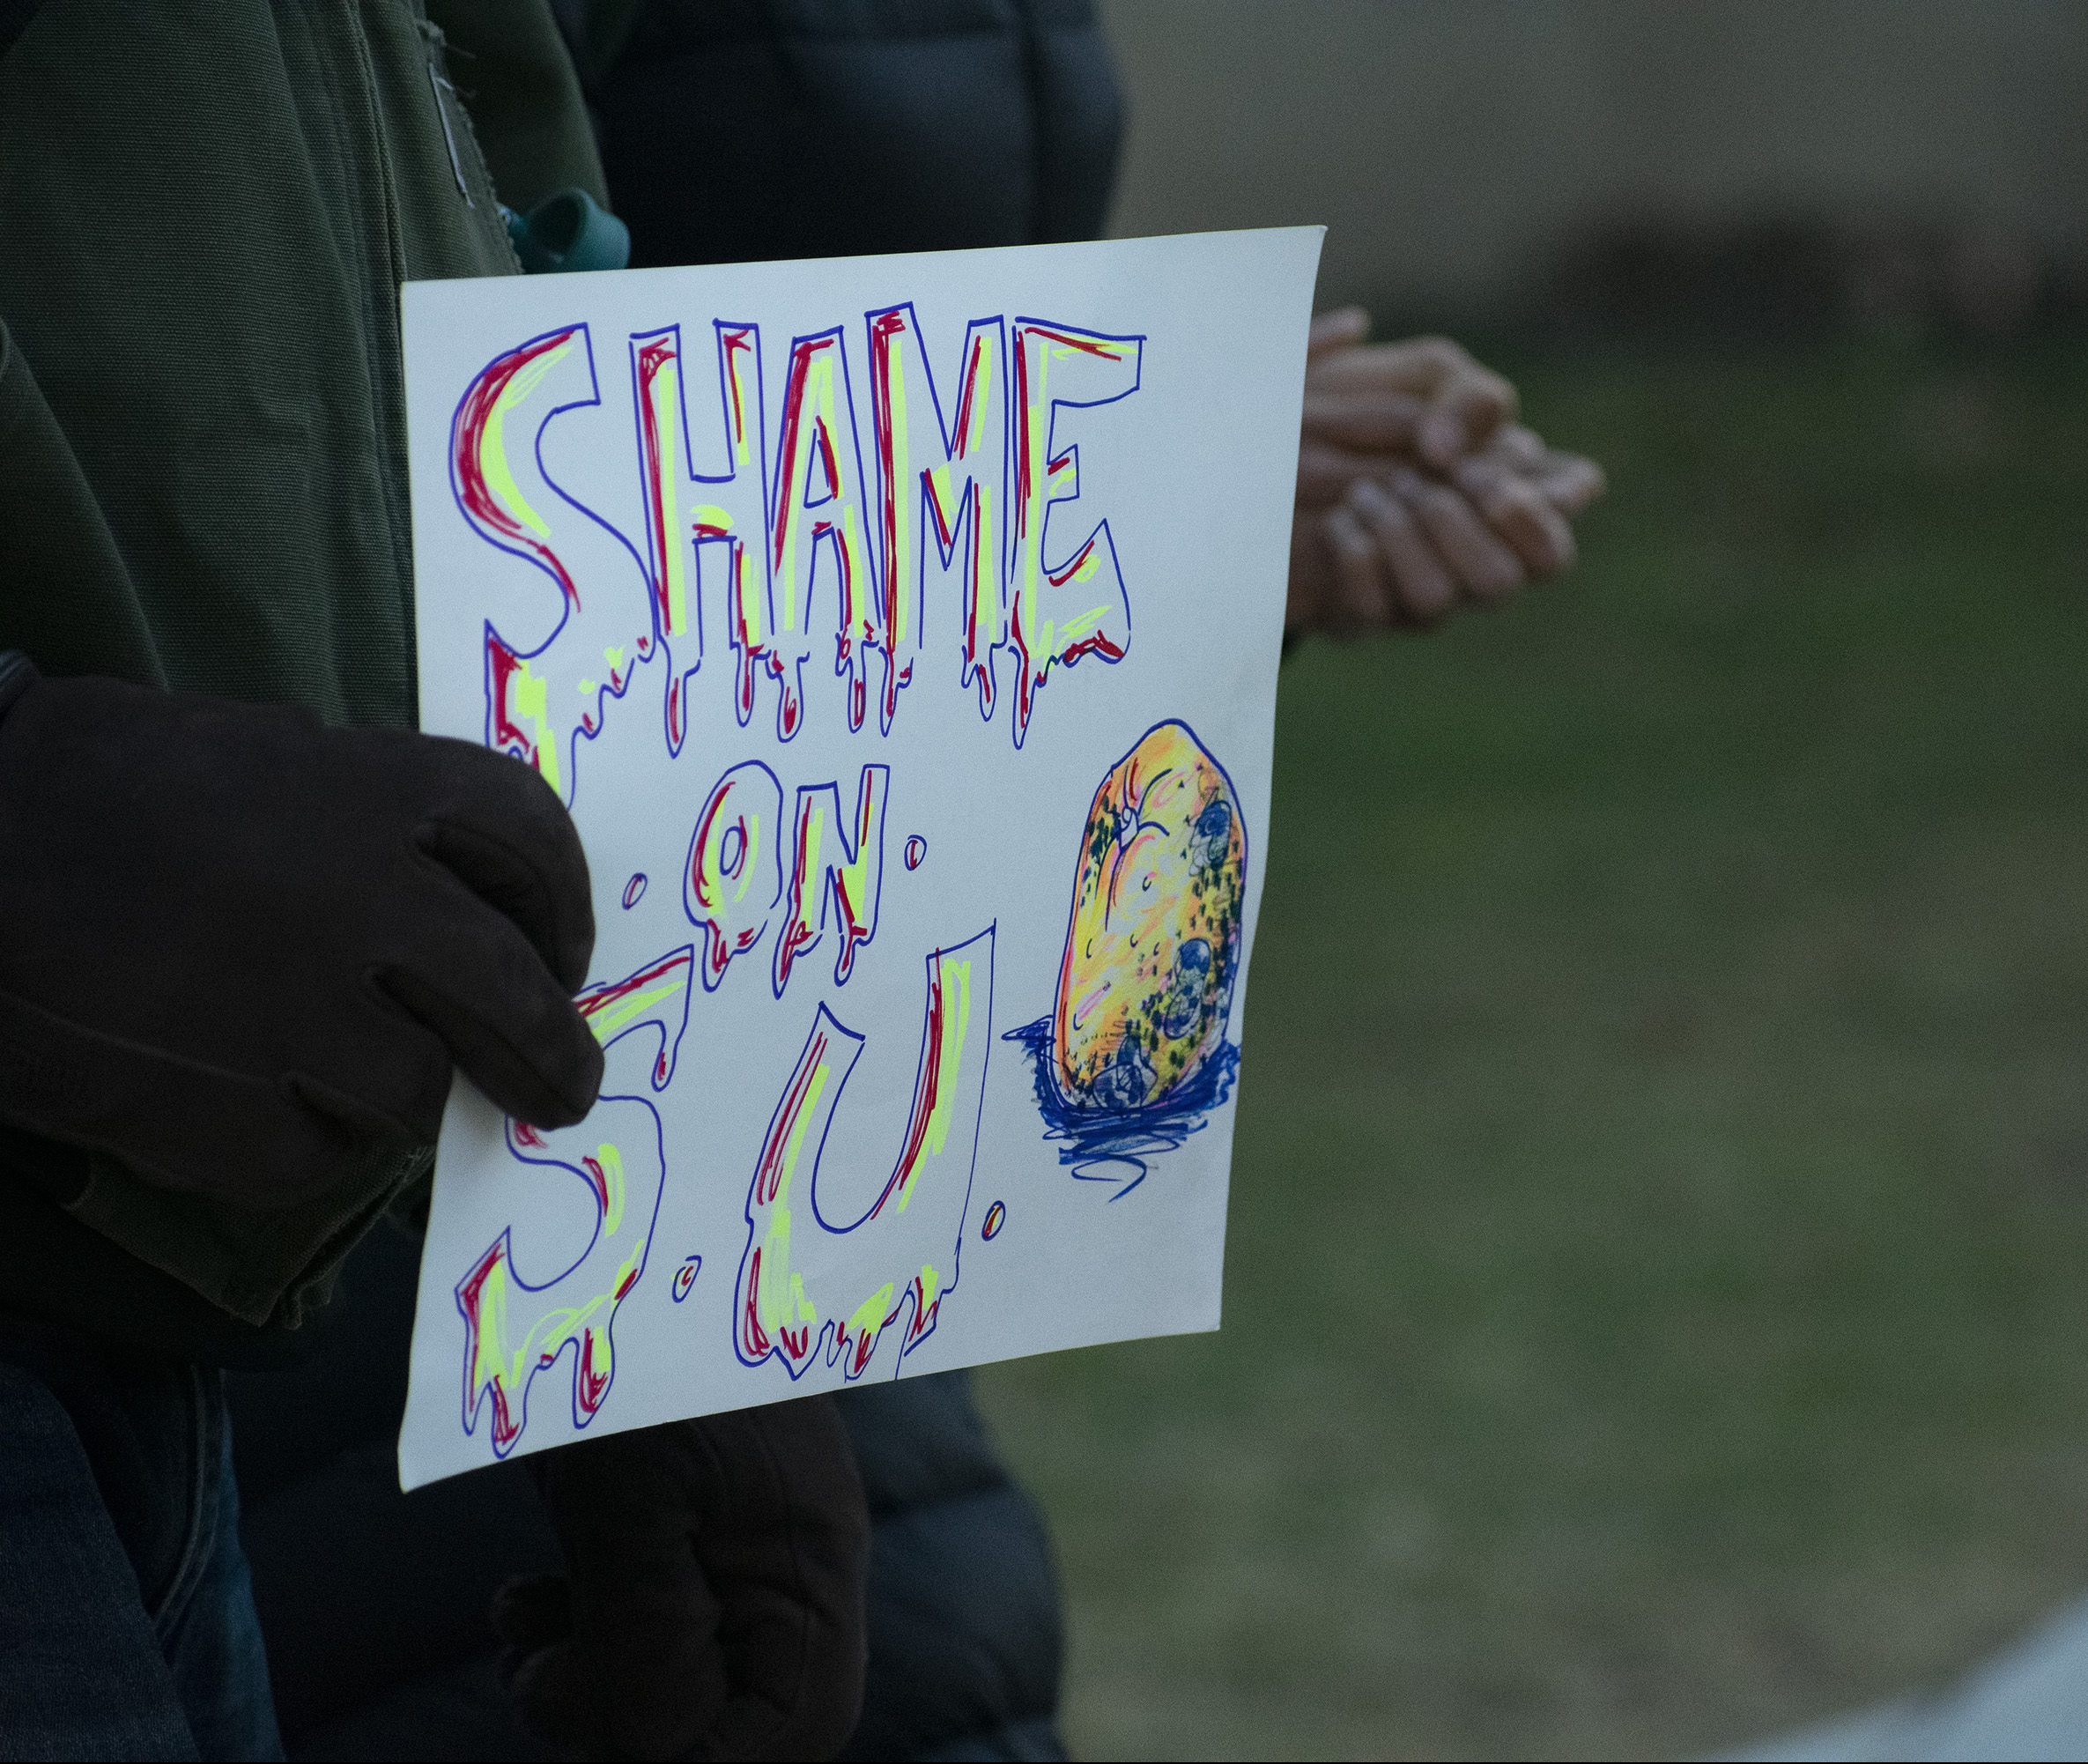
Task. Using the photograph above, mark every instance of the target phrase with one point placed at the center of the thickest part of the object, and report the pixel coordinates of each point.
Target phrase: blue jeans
(127, 1625)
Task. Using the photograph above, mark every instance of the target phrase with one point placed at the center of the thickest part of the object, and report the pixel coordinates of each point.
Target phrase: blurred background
(1657, 1293)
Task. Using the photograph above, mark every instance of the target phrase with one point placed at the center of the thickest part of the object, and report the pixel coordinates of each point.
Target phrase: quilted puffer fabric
(743, 130)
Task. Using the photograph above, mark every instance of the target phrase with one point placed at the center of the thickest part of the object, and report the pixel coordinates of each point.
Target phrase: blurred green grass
(1657, 1291)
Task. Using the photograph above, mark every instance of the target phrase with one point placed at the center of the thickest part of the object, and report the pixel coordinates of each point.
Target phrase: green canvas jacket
(206, 209)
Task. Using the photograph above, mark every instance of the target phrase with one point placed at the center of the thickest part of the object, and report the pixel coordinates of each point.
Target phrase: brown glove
(713, 1603)
(237, 949)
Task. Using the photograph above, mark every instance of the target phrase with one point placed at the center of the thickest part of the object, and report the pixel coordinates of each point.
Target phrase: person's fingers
(1569, 482)
(643, 1674)
(1464, 415)
(1326, 471)
(560, 1700)
(1359, 601)
(535, 888)
(789, 1564)
(470, 976)
(1485, 566)
(1419, 364)
(648, 1699)
(532, 1611)
(1312, 564)
(1462, 404)
(1421, 586)
(1343, 328)
(502, 830)
(1519, 511)
(1364, 420)
(1517, 447)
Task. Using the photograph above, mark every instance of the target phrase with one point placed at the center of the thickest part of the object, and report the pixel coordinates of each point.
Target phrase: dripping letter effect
(844, 527)
(516, 1330)
(798, 1299)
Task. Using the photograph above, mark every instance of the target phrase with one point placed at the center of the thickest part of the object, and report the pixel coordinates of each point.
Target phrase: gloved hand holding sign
(714, 1602)
(238, 947)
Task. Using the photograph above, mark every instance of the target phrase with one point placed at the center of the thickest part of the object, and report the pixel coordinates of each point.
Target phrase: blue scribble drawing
(1116, 1145)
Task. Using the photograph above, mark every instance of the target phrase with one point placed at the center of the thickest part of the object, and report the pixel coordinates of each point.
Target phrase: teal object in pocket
(569, 232)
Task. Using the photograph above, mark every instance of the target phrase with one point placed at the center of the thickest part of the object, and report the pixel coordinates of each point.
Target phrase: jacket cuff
(18, 674)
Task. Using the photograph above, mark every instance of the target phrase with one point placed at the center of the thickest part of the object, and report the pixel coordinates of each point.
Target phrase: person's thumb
(1343, 328)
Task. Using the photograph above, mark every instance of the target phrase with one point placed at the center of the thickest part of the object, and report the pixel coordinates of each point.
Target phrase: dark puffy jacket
(739, 130)
(730, 130)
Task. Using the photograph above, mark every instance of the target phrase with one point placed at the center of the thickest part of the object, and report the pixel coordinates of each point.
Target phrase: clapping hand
(1416, 488)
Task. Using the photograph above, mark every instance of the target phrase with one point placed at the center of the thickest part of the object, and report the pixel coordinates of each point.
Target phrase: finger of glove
(503, 832)
(645, 1617)
(532, 1611)
(665, 1710)
(562, 1701)
(806, 1706)
(718, 1569)
(529, 1614)
(790, 1570)
(468, 975)
(411, 1114)
(558, 922)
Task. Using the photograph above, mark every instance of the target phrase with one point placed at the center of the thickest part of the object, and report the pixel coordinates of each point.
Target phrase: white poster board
(902, 632)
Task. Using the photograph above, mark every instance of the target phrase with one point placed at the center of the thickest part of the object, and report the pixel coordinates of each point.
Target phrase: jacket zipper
(381, 315)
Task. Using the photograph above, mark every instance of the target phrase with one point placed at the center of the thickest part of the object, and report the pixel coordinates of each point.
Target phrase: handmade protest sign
(902, 634)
